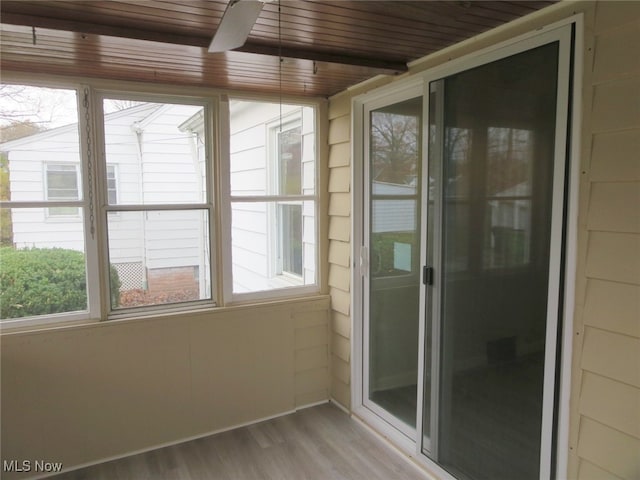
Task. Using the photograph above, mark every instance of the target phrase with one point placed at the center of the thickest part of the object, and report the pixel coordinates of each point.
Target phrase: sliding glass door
(462, 254)
(494, 192)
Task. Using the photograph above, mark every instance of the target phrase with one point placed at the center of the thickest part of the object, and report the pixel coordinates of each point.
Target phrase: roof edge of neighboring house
(18, 142)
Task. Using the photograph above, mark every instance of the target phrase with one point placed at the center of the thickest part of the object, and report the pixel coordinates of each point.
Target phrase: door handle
(427, 275)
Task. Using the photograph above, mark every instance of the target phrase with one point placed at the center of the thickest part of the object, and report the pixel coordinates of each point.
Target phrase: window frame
(94, 192)
(92, 312)
(271, 200)
(207, 204)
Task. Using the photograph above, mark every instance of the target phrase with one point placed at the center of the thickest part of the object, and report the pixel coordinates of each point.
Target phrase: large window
(273, 198)
(99, 188)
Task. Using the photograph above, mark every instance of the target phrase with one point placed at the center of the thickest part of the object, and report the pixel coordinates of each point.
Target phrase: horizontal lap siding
(605, 438)
(340, 246)
(311, 342)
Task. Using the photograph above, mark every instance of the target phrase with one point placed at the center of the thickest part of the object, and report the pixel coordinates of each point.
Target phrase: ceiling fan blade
(236, 24)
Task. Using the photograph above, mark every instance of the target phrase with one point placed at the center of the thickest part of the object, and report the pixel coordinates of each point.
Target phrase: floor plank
(321, 442)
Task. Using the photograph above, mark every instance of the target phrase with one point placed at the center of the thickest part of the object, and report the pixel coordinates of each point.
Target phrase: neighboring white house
(150, 159)
(155, 154)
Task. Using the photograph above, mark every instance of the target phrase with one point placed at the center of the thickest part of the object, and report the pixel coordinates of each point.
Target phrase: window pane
(40, 149)
(272, 154)
(273, 245)
(43, 264)
(158, 151)
(158, 257)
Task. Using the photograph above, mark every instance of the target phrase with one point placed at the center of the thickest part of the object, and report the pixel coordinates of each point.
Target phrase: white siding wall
(34, 227)
(156, 164)
(171, 173)
(125, 229)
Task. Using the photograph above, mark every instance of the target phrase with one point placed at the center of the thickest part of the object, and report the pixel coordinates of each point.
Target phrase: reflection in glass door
(393, 241)
(494, 172)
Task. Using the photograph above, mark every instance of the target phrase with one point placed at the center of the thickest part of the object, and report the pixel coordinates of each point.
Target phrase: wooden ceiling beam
(378, 65)
(381, 65)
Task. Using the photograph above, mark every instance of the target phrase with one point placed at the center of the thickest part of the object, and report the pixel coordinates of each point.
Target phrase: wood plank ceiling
(327, 45)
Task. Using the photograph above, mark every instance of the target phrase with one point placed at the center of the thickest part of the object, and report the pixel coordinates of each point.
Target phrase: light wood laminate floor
(317, 443)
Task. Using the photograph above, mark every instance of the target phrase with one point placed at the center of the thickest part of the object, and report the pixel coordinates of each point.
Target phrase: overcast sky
(47, 107)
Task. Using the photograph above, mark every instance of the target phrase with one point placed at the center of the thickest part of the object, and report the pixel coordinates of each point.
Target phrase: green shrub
(40, 281)
(115, 286)
(382, 251)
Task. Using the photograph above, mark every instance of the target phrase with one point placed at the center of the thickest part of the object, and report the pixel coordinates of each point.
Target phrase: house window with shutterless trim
(62, 184)
(273, 201)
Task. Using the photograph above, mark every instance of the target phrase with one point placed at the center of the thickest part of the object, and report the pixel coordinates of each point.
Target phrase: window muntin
(273, 196)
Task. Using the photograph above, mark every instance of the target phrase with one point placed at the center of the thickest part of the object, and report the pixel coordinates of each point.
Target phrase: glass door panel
(393, 241)
(492, 151)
